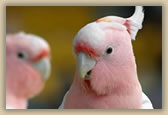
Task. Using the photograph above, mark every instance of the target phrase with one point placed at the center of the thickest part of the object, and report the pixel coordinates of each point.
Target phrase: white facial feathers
(31, 41)
(91, 34)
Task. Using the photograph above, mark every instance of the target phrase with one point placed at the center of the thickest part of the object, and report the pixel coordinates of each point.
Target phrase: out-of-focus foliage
(58, 25)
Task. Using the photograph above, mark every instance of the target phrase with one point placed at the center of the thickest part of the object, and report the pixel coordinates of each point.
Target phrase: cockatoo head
(27, 64)
(105, 59)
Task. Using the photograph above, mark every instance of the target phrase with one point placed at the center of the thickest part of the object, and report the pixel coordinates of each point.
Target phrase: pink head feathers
(106, 75)
(27, 66)
(132, 24)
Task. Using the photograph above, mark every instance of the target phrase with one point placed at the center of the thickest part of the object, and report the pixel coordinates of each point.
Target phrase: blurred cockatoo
(106, 75)
(27, 68)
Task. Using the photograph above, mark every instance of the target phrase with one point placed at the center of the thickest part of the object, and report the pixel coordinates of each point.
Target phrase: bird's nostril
(89, 72)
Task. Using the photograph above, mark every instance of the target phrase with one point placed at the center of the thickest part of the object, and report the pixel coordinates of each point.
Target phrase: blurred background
(59, 24)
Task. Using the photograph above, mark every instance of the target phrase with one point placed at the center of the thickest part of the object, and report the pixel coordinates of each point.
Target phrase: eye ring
(109, 50)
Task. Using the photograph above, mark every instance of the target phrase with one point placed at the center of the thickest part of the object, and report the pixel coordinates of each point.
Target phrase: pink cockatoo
(106, 75)
(27, 68)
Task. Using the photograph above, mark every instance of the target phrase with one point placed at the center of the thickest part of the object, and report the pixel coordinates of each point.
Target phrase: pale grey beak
(43, 66)
(84, 64)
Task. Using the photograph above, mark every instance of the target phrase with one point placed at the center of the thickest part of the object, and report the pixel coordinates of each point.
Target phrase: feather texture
(135, 21)
(146, 103)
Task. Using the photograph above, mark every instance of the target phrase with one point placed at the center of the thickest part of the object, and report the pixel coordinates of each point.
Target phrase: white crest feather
(136, 21)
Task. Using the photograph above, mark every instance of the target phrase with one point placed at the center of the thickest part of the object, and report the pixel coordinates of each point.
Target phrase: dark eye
(21, 55)
(109, 50)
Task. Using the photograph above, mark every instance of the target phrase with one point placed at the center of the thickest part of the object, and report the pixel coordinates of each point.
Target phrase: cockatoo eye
(109, 50)
(21, 55)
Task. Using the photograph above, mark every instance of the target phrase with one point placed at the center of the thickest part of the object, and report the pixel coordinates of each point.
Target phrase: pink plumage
(107, 80)
(113, 81)
(25, 56)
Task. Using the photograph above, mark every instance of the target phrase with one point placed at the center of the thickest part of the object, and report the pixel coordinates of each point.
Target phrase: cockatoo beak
(84, 65)
(43, 66)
